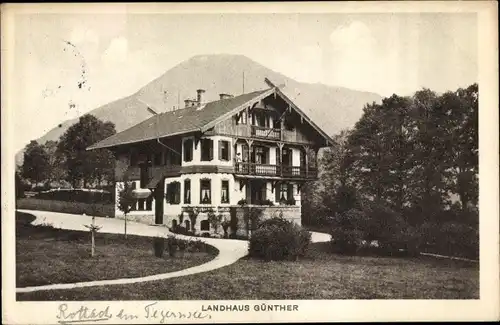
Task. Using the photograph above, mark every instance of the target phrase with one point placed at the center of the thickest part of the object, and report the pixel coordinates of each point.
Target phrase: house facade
(256, 149)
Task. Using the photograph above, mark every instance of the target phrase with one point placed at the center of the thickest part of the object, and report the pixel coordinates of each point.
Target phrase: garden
(46, 255)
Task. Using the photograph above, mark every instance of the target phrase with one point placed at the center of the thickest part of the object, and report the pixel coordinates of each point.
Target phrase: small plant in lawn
(93, 230)
(126, 201)
(279, 239)
(182, 245)
(172, 244)
(196, 246)
(159, 246)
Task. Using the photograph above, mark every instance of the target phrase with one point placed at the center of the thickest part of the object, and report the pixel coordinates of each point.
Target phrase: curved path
(230, 250)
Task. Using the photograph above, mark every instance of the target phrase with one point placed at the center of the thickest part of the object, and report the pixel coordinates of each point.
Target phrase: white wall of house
(215, 161)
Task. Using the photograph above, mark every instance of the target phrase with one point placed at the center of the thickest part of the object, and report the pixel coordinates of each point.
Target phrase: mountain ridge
(223, 73)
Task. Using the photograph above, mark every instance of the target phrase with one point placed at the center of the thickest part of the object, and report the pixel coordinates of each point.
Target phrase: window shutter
(178, 193)
(277, 191)
(228, 151)
(220, 149)
(290, 192)
(211, 149)
(167, 195)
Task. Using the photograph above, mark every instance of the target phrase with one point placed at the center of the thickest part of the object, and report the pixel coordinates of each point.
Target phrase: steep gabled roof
(194, 119)
(179, 121)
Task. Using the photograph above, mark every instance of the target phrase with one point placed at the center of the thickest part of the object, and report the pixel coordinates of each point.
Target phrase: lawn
(46, 255)
(319, 275)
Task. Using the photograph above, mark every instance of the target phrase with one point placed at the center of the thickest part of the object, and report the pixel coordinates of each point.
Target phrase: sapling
(93, 230)
(126, 201)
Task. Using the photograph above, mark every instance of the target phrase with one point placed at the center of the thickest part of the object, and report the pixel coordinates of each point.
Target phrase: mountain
(332, 108)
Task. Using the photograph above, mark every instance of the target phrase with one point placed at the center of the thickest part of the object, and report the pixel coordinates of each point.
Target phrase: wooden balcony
(255, 169)
(263, 132)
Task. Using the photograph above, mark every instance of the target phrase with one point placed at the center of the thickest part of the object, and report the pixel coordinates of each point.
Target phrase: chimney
(224, 96)
(189, 103)
(199, 97)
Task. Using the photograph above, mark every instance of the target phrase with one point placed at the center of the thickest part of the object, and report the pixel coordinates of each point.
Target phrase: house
(257, 147)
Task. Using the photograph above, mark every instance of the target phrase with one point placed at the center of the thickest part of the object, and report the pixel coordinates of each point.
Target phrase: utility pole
(243, 82)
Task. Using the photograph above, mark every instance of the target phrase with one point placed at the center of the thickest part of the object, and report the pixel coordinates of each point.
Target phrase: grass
(319, 275)
(45, 255)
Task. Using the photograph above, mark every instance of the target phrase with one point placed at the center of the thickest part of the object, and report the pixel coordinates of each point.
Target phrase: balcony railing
(263, 132)
(275, 170)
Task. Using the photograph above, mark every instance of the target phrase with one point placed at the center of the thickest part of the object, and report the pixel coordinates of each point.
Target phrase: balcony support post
(306, 151)
(249, 164)
(280, 146)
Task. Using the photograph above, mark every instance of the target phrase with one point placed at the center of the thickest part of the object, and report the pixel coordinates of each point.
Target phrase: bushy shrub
(357, 230)
(451, 238)
(345, 241)
(279, 239)
(181, 230)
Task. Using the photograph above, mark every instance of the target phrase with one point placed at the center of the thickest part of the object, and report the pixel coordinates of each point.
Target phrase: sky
(90, 60)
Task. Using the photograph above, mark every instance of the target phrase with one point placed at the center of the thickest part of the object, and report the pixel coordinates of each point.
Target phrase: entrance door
(258, 192)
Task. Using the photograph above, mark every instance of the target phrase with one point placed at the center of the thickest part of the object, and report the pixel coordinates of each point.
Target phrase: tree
(334, 175)
(462, 164)
(427, 133)
(36, 165)
(83, 165)
(20, 185)
(126, 201)
(93, 228)
(56, 162)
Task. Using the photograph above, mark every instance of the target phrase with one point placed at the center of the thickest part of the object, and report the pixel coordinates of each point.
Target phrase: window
(261, 155)
(284, 192)
(207, 147)
(288, 125)
(224, 150)
(187, 191)
(134, 158)
(174, 193)
(172, 158)
(224, 195)
(205, 191)
(204, 225)
(157, 158)
(241, 118)
(188, 150)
